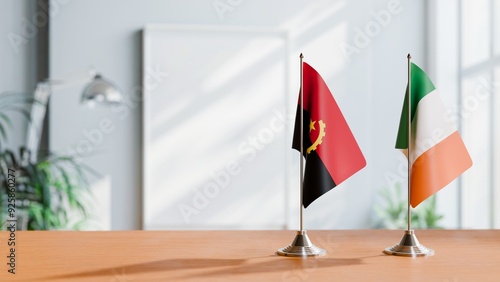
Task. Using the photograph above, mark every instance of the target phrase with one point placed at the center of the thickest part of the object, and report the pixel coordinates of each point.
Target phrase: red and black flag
(331, 152)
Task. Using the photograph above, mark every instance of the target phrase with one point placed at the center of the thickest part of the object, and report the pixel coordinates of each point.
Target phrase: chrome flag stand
(409, 245)
(301, 245)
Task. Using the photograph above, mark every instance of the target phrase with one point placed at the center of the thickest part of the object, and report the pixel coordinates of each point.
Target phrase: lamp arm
(38, 111)
(99, 88)
(73, 80)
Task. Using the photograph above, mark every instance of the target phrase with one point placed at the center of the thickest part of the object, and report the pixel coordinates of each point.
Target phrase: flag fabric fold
(331, 152)
(437, 153)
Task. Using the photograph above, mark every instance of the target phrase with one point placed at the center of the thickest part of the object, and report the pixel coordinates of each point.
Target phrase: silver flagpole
(301, 206)
(409, 245)
(301, 245)
(409, 141)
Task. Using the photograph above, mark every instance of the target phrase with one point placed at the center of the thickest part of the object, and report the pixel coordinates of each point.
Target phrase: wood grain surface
(461, 255)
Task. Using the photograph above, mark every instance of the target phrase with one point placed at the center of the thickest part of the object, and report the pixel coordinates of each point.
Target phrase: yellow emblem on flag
(321, 134)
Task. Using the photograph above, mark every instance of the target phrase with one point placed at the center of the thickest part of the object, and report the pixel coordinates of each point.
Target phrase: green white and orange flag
(437, 153)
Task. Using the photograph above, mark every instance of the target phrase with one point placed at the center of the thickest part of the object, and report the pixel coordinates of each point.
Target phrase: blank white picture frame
(216, 127)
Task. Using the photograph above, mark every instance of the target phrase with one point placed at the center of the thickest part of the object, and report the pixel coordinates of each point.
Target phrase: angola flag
(332, 154)
(437, 153)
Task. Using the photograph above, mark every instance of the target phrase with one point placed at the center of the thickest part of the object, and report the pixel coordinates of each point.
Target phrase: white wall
(368, 87)
(18, 52)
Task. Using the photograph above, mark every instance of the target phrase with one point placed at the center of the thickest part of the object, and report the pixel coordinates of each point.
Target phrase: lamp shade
(102, 91)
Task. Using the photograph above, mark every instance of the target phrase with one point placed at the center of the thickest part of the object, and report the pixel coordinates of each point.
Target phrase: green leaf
(22, 111)
(6, 119)
(36, 216)
(3, 134)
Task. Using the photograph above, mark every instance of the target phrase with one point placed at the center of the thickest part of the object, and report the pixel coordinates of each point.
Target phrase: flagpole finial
(409, 56)
(301, 56)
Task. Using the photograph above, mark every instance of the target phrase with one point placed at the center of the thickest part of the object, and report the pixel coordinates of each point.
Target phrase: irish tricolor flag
(437, 152)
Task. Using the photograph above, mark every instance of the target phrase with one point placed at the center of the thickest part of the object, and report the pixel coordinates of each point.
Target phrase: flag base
(409, 247)
(301, 247)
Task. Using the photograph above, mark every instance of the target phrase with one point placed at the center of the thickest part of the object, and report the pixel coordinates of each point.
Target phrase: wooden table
(247, 256)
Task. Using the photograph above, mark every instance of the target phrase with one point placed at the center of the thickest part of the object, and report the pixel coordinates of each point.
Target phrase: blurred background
(201, 138)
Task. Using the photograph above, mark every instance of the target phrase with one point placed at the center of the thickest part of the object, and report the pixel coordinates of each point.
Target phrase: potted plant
(393, 213)
(52, 192)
